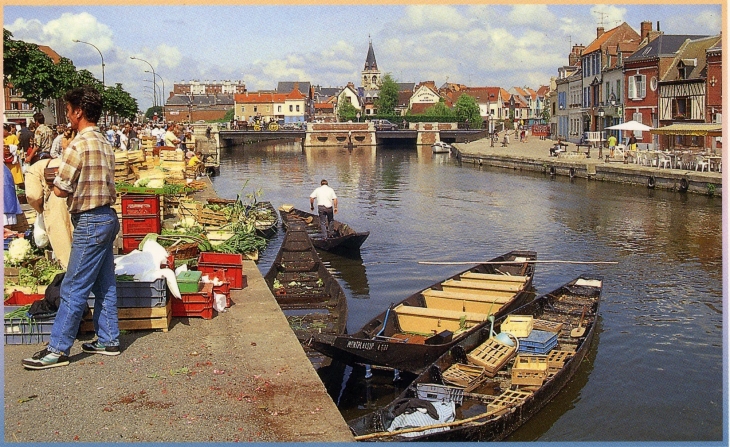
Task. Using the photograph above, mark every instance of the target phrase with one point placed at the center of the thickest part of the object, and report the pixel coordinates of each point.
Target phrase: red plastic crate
(198, 304)
(141, 225)
(131, 242)
(18, 298)
(140, 205)
(209, 262)
(224, 288)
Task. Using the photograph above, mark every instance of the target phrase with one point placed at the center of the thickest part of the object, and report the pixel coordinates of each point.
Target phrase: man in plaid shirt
(86, 179)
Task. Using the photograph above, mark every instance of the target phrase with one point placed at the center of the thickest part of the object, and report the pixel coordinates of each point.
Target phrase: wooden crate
(509, 398)
(462, 375)
(189, 208)
(527, 377)
(138, 318)
(492, 355)
(517, 325)
(172, 156)
(556, 359)
(545, 325)
(207, 216)
(531, 362)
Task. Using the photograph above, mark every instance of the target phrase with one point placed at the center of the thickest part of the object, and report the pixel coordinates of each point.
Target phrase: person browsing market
(326, 206)
(86, 179)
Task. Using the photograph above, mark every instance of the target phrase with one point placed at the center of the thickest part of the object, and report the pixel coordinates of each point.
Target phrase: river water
(655, 371)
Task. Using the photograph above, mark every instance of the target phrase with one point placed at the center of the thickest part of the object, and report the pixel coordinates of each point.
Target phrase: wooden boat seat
(495, 277)
(423, 320)
(485, 284)
(459, 288)
(464, 302)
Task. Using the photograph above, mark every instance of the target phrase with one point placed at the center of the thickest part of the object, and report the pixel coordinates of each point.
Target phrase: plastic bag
(40, 236)
(219, 302)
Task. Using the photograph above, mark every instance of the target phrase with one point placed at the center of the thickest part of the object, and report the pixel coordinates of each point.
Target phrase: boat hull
(498, 423)
(375, 344)
(346, 240)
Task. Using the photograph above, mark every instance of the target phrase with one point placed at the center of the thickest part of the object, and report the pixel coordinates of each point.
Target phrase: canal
(655, 371)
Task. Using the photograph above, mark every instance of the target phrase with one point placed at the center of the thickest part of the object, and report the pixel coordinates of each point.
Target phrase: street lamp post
(154, 84)
(162, 95)
(601, 113)
(103, 83)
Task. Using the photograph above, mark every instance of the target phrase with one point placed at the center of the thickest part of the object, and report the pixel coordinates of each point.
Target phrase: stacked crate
(25, 331)
(141, 305)
(140, 216)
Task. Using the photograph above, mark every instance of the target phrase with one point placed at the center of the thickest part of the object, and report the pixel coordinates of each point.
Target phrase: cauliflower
(18, 251)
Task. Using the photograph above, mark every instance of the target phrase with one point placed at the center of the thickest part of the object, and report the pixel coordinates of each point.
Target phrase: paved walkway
(536, 149)
(241, 376)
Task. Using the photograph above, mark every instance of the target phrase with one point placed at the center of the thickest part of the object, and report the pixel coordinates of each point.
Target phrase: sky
(476, 44)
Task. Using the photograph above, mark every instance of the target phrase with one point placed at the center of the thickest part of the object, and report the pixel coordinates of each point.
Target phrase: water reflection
(661, 342)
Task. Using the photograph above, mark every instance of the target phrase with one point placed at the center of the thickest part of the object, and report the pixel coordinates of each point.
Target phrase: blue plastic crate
(7, 241)
(140, 293)
(19, 331)
(538, 342)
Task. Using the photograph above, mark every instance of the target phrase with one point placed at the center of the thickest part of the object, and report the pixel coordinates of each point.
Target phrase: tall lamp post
(154, 84)
(601, 113)
(103, 83)
(162, 95)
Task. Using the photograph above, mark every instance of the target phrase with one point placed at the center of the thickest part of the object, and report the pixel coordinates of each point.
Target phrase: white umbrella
(630, 125)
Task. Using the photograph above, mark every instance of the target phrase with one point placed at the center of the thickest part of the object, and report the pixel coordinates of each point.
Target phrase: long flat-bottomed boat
(344, 239)
(412, 334)
(493, 381)
(309, 295)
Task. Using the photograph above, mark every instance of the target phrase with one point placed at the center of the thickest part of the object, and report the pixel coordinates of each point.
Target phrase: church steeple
(371, 79)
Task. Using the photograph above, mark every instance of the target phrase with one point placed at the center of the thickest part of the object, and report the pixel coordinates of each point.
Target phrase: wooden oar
(534, 261)
(580, 330)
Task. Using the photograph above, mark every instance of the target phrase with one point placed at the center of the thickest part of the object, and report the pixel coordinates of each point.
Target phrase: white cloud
(59, 33)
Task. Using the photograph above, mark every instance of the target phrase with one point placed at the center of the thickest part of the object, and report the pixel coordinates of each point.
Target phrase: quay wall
(645, 176)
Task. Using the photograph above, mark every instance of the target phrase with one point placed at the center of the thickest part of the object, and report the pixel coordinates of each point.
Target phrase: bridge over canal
(361, 134)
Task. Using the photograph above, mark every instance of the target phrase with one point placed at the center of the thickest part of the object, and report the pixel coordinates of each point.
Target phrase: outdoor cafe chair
(701, 164)
(664, 161)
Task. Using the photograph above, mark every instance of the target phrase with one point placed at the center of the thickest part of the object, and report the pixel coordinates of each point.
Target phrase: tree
(545, 115)
(29, 70)
(439, 110)
(345, 110)
(118, 102)
(151, 112)
(466, 108)
(388, 97)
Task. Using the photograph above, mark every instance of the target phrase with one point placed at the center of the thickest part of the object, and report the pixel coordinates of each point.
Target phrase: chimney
(646, 29)
(599, 31)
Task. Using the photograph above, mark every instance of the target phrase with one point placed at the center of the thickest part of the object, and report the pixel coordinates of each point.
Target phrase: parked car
(384, 125)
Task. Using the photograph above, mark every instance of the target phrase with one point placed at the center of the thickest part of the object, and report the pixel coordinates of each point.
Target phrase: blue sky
(477, 44)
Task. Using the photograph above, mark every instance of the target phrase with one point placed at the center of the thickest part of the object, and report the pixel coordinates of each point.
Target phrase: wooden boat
(266, 219)
(483, 388)
(310, 296)
(344, 239)
(440, 147)
(412, 334)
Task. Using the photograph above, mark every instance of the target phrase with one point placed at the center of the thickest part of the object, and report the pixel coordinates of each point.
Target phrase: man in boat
(326, 206)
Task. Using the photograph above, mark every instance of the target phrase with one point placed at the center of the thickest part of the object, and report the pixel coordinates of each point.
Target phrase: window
(297, 107)
(618, 91)
(637, 117)
(680, 108)
(637, 87)
(291, 108)
(278, 109)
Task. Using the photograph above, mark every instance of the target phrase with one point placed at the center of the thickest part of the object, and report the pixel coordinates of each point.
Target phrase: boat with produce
(344, 239)
(412, 334)
(265, 218)
(493, 381)
(309, 295)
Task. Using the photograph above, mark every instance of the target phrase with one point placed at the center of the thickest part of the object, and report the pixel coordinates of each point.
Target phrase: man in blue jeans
(86, 179)
(326, 206)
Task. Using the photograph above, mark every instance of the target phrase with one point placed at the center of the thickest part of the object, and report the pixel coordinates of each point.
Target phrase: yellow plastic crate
(517, 325)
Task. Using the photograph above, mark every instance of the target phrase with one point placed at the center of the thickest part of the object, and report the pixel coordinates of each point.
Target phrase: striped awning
(693, 129)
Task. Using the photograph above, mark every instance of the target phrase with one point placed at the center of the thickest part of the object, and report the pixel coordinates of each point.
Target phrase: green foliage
(151, 112)
(388, 96)
(346, 111)
(439, 110)
(228, 116)
(119, 102)
(466, 108)
(711, 188)
(545, 115)
(28, 69)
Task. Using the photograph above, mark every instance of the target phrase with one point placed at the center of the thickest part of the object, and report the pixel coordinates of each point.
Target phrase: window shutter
(632, 87)
(642, 93)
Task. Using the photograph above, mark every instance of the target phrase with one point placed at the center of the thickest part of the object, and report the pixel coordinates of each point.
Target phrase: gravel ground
(241, 376)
